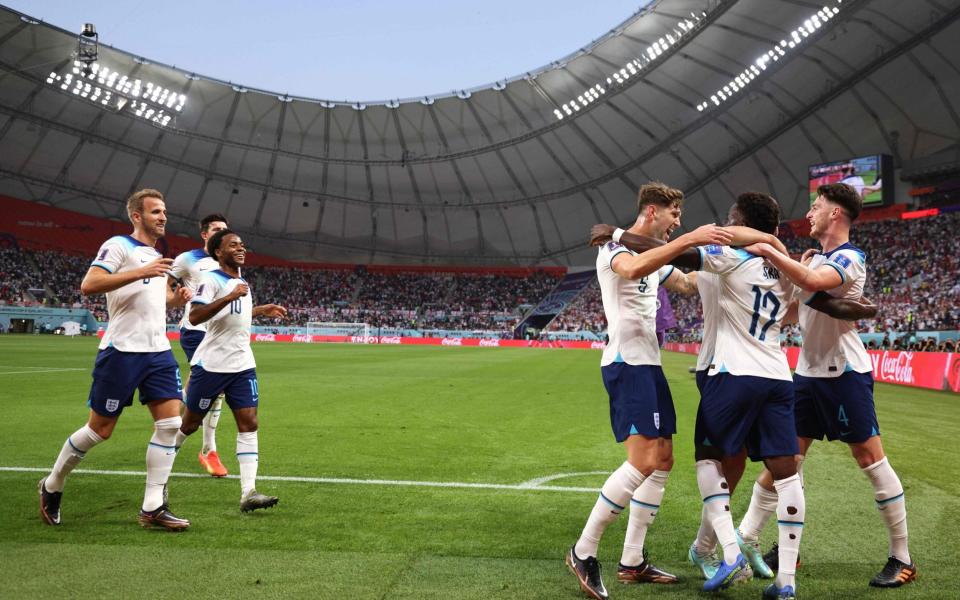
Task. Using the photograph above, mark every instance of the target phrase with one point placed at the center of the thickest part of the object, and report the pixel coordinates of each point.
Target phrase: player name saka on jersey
(753, 298)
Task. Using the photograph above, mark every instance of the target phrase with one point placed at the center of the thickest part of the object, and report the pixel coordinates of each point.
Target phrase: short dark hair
(759, 211)
(212, 218)
(213, 244)
(658, 194)
(844, 195)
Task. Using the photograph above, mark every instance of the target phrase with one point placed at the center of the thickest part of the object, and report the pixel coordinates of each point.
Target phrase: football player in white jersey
(187, 270)
(834, 377)
(641, 409)
(134, 354)
(702, 551)
(223, 363)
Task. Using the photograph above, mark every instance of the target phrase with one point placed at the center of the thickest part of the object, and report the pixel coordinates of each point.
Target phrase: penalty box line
(527, 486)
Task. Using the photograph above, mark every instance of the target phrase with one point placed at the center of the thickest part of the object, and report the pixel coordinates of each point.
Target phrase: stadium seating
(912, 263)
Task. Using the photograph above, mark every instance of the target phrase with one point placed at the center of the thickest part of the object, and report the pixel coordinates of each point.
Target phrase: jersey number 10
(235, 307)
(761, 300)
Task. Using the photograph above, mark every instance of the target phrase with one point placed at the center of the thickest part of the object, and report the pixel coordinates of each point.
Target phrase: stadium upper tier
(713, 97)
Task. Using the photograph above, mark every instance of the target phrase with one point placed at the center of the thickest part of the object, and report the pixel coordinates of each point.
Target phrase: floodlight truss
(777, 52)
(110, 90)
(632, 68)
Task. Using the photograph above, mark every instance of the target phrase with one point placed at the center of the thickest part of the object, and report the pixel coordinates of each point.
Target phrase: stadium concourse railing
(929, 370)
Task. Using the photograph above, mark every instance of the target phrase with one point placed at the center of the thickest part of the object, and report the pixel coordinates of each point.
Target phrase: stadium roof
(714, 98)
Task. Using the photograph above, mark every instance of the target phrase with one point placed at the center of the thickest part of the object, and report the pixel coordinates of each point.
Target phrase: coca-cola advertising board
(929, 370)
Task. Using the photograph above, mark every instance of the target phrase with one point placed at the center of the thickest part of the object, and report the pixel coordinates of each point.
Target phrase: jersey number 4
(761, 301)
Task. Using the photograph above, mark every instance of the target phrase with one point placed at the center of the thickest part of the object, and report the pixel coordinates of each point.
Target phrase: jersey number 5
(761, 300)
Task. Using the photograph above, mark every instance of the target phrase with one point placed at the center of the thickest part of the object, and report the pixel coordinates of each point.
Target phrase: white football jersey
(753, 299)
(708, 284)
(831, 346)
(137, 311)
(188, 268)
(226, 347)
(631, 310)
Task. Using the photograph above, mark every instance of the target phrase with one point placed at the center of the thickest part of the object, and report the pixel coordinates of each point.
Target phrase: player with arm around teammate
(641, 410)
(133, 354)
(188, 269)
(834, 376)
(224, 363)
(748, 212)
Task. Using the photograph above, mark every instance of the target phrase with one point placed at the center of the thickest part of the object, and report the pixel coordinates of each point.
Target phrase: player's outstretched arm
(682, 283)
(601, 234)
(100, 281)
(645, 263)
(270, 310)
(813, 280)
(841, 308)
(201, 313)
(744, 236)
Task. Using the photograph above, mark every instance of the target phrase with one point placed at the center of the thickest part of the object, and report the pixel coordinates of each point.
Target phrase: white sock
(180, 438)
(161, 452)
(716, 500)
(614, 496)
(643, 510)
(893, 507)
(73, 451)
(247, 456)
(763, 504)
(706, 537)
(210, 423)
(791, 509)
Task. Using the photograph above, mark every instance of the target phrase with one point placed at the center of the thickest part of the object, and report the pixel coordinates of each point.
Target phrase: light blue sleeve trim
(103, 266)
(669, 273)
(196, 300)
(843, 277)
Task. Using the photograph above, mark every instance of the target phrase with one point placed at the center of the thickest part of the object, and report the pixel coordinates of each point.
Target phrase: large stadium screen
(871, 176)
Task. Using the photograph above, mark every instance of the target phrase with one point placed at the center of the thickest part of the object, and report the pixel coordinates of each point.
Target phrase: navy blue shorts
(189, 340)
(116, 375)
(241, 389)
(840, 408)
(701, 379)
(640, 401)
(741, 410)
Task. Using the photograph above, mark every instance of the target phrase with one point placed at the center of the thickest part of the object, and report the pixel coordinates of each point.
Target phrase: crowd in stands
(403, 300)
(913, 266)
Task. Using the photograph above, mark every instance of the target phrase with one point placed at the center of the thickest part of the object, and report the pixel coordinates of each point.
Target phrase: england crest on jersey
(656, 420)
(112, 405)
(204, 403)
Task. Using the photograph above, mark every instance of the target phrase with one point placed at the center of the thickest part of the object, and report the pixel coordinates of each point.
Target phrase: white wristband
(616, 234)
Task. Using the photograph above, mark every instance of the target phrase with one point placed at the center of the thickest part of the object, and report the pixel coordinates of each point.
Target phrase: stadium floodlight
(779, 50)
(88, 47)
(633, 67)
(110, 90)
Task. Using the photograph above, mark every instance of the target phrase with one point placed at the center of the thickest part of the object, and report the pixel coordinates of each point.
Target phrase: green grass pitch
(428, 414)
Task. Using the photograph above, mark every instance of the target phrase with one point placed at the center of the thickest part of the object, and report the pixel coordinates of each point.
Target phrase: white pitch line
(539, 481)
(38, 372)
(398, 482)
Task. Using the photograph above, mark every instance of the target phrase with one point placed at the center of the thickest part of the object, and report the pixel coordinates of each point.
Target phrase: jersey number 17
(761, 301)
